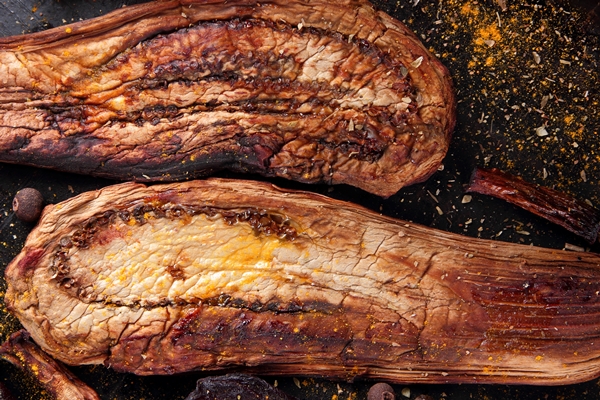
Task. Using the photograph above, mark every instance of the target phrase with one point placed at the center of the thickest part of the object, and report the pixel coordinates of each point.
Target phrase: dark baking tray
(504, 95)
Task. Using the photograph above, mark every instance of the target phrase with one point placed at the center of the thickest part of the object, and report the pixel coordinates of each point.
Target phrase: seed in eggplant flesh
(27, 204)
(381, 391)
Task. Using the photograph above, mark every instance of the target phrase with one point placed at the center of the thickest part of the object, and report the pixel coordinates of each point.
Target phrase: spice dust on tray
(527, 84)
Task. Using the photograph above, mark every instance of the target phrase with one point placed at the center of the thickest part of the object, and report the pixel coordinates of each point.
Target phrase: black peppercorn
(28, 204)
(381, 391)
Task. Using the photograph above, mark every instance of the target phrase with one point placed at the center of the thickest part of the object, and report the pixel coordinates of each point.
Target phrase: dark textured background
(504, 95)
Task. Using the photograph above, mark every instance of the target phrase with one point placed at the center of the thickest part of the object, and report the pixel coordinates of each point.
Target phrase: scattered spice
(541, 131)
(417, 62)
(523, 67)
(572, 247)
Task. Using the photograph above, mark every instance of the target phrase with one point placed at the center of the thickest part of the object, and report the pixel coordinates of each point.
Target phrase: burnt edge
(262, 222)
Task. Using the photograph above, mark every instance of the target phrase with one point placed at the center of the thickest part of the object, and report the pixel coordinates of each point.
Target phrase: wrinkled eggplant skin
(572, 214)
(305, 286)
(304, 91)
(236, 387)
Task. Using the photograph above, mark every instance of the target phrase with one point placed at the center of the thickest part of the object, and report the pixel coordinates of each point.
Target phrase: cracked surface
(306, 91)
(180, 277)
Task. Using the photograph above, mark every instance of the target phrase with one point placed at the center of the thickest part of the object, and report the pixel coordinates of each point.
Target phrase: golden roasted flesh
(216, 274)
(312, 91)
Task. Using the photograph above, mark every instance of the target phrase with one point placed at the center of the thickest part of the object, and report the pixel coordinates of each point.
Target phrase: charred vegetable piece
(236, 387)
(54, 377)
(221, 274)
(574, 215)
(312, 91)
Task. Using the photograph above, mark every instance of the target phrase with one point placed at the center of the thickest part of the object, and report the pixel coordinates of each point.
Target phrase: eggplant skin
(575, 215)
(223, 274)
(311, 91)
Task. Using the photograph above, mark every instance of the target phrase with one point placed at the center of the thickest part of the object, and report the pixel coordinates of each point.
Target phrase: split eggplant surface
(311, 91)
(222, 274)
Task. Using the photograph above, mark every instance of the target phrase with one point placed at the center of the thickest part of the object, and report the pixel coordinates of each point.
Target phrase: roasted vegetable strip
(55, 378)
(574, 215)
(217, 274)
(311, 91)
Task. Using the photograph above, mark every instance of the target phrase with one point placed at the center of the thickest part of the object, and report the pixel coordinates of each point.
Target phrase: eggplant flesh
(223, 274)
(164, 91)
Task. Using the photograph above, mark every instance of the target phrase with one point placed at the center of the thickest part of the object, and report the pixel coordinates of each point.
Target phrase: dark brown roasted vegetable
(236, 387)
(574, 215)
(56, 379)
(312, 91)
(211, 275)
